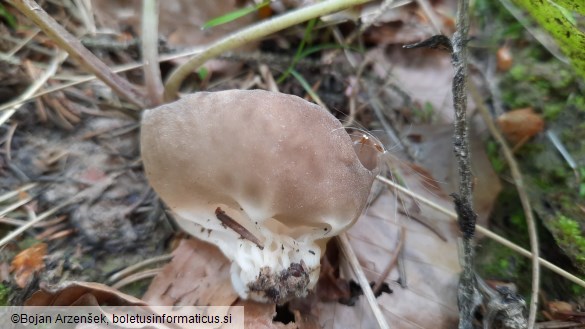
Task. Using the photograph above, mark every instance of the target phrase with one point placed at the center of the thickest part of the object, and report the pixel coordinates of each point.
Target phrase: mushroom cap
(269, 160)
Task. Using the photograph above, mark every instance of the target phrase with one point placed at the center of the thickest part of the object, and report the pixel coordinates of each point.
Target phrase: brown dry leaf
(27, 263)
(432, 268)
(330, 286)
(199, 275)
(520, 125)
(425, 75)
(180, 21)
(504, 59)
(433, 146)
(259, 316)
(77, 293)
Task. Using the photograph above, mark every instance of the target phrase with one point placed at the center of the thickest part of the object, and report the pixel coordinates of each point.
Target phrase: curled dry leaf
(77, 293)
(432, 268)
(27, 263)
(520, 125)
(433, 146)
(199, 274)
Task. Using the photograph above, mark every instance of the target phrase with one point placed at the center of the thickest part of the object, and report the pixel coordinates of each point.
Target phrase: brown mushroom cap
(271, 150)
(265, 158)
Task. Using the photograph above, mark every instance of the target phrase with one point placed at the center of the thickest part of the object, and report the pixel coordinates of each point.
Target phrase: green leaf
(553, 19)
(300, 49)
(8, 17)
(304, 83)
(202, 73)
(232, 16)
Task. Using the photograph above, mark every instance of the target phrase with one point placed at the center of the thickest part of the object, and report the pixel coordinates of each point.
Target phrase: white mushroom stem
(267, 177)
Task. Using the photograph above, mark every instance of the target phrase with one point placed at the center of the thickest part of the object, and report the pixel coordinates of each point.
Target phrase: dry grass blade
(125, 272)
(74, 47)
(362, 280)
(253, 32)
(14, 206)
(17, 103)
(16, 192)
(524, 200)
(84, 79)
(152, 77)
(137, 277)
(482, 230)
(87, 193)
(392, 261)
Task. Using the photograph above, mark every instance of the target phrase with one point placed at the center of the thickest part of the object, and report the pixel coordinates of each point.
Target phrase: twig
(489, 234)
(125, 272)
(362, 280)
(251, 33)
(468, 296)
(524, 200)
(77, 51)
(152, 77)
(392, 262)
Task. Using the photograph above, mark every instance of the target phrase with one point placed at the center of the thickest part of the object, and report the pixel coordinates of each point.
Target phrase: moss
(552, 111)
(569, 236)
(498, 262)
(493, 153)
(424, 114)
(4, 293)
(577, 290)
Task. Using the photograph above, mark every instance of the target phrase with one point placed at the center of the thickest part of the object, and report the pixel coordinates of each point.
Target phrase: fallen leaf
(199, 274)
(79, 293)
(331, 287)
(520, 125)
(433, 146)
(424, 75)
(504, 59)
(180, 22)
(27, 263)
(432, 267)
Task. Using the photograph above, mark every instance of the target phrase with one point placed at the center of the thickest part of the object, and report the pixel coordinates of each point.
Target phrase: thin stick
(251, 33)
(524, 200)
(489, 234)
(152, 77)
(392, 261)
(468, 297)
(363, 281)
(125, 272)
(77, 51)
(227, 221)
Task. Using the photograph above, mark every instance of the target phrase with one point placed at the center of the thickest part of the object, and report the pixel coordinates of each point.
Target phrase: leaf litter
(118, 216)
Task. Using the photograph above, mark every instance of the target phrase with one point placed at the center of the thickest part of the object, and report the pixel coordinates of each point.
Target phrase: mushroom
(266, 177)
